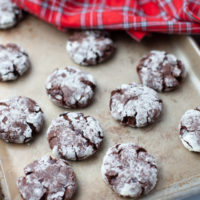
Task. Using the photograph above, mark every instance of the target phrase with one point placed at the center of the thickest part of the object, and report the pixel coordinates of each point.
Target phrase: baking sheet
(179, 169)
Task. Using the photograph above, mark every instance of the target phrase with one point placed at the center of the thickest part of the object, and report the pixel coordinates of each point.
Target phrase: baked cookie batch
(129, 170)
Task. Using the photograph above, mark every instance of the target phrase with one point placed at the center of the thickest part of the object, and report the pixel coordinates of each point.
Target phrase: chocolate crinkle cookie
(70, 87)
(20, 119)
(129, 170)
(14, 62)
(135, 105)
(47, 178)
(161, 71)
(90, 47)
(10, 14)
(74, 136)
(190, 129)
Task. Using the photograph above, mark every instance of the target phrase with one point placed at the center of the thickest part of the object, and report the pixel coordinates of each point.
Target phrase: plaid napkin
(137, 17)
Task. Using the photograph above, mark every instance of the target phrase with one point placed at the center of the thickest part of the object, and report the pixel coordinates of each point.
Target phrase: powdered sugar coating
(14, 62)
(190, 129)
(135, 105)
(161, 71)
(129, 170)
(20, 119)
(10, 14)
(47, 178)
(90, 47)
(74, 136)
(70, 87)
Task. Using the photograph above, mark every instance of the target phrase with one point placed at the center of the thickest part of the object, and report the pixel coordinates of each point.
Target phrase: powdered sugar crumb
(129, 170)
(190, 129)
(137, 101)
(9, 14)
(88, 48)
(72, 84)
(160, 70)
(48, 177)
(15, 117)
(77, 136)
(13, 59)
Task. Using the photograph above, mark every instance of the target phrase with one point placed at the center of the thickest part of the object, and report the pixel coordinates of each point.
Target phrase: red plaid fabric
(137, 17)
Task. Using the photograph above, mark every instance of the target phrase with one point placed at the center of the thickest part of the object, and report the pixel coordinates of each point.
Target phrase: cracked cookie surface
(47, 178)
(20, 119)
(90, 47)
(161, 71)
(74, 136)
(129, 170)
(189, 128)
(135, 105)
(70, 87)
(14, 62)
(10, 14)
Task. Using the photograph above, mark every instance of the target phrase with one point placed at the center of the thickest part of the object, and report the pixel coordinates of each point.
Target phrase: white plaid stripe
(83, 12)
(185, 11)
(144, 25)
(161, 5)
(99, 15)
(45, 7)
(172, 8)
(60, 12)
(188, 12)
(125, 14)
(188, 28)
(170, 26)
(91, 13)
(51, 14)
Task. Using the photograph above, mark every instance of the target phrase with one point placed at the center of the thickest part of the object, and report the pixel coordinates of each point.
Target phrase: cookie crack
(15, 72)
(97, 58)
(197, 109)
(111, 178)
(89, 142)
(131, 98)
(180, 66)
(62, 95)
(152, 165)
(58, 91)
(99, 134)
(187, 143)
(162, 74)
(44, 197)
(76, 155)
(29, 173)
(140, 149)
(88, 83)
(37, 111)
(51, 138)
(147, 118)
(142, 188)
(177, 78)
(119, 152)
(4, 104)
(131, 120)
(185, 128)
(65, 116)
(34, 131)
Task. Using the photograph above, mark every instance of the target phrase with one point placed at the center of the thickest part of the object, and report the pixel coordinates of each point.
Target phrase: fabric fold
(137, 17)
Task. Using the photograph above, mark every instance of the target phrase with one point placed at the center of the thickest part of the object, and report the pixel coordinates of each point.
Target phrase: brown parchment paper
(179, 169)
